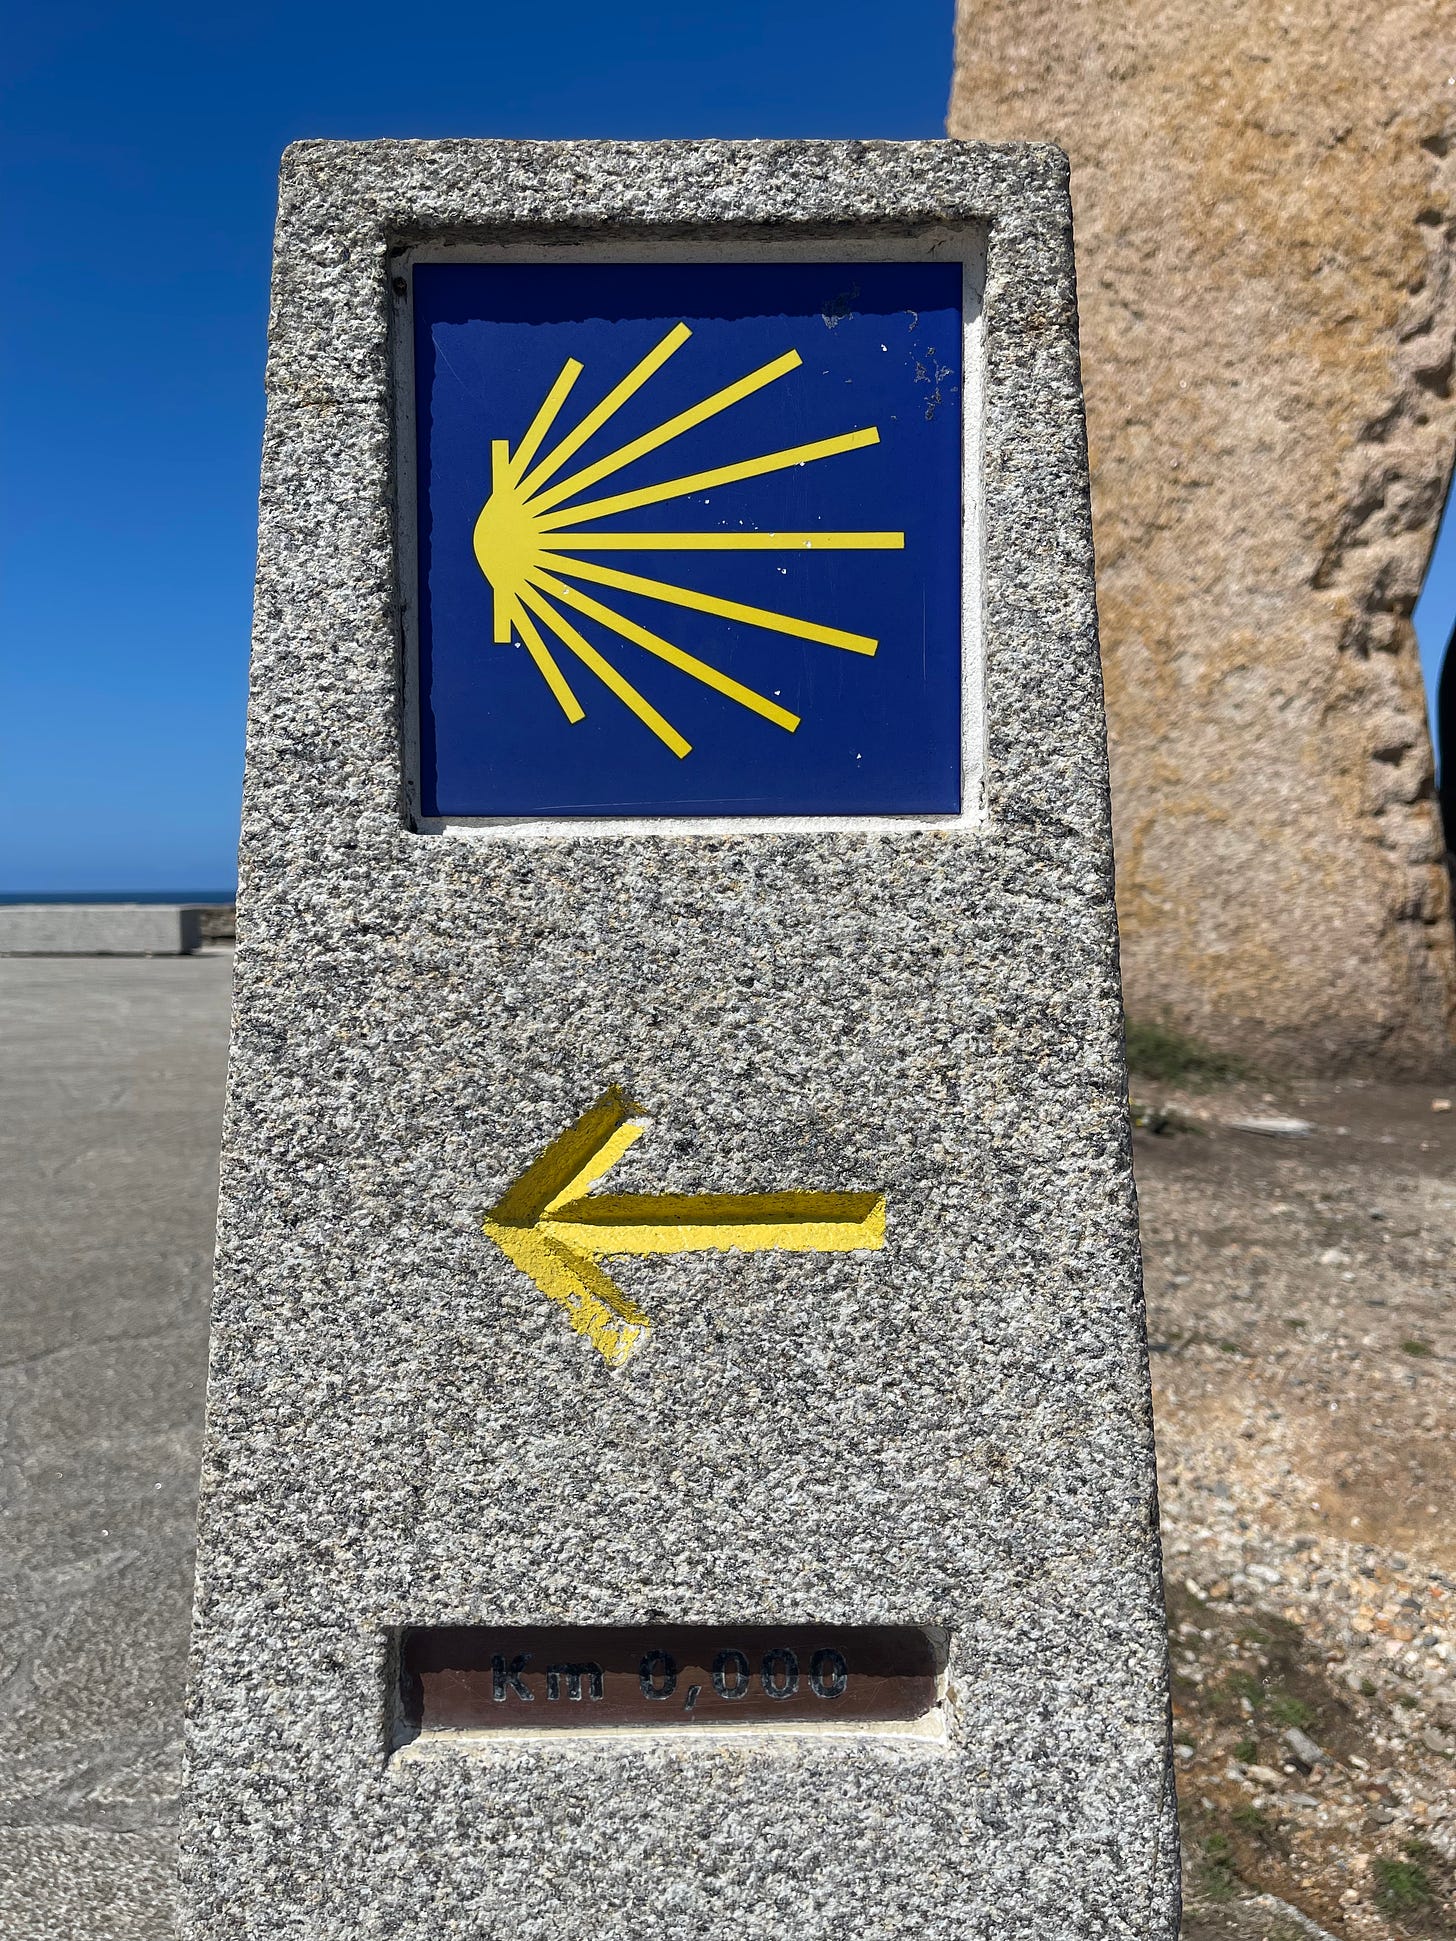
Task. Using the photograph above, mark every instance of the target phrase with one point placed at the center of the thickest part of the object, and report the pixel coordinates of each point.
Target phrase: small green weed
(1236, 1686)
(1368, 1688)
(1247, 1751)
(1216, 1875)
(1401, 1886)
(1290, 1710)
(1159, 1052)
(1253, 1821)
(1419, 1348)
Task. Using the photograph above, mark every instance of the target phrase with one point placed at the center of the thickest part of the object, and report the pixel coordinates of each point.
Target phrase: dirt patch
(1304, 1366)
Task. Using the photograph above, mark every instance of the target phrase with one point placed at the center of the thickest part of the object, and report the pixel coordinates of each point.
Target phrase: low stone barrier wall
(99, 930)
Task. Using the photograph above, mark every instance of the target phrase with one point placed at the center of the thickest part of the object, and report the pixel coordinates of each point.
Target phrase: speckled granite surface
(954, 1431)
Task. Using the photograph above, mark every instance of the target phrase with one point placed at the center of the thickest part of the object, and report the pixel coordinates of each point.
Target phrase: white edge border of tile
(965, 242)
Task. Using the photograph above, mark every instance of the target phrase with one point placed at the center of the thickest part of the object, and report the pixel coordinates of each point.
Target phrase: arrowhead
(594, 1304)
(552, 1230)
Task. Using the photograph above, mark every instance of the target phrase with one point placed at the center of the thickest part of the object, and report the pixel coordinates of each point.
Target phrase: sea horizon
(208, 898)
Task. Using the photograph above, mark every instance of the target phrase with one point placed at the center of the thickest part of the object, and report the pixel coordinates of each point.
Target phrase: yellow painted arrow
(550, 1231)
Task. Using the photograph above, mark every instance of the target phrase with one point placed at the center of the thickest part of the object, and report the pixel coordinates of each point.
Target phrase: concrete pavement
(111, 1086)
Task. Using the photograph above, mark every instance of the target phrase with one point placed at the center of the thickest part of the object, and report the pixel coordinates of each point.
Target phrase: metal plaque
(471, 1678)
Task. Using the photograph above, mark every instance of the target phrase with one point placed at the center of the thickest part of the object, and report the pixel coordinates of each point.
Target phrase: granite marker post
(679, 1455)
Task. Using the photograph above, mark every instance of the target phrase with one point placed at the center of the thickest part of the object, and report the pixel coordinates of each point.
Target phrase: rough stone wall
(1266, 238)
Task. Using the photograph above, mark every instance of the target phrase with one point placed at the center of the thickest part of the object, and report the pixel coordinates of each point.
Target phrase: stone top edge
(671, 182)
(452, 147)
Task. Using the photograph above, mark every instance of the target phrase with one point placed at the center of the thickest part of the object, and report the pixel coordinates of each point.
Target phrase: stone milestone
(679, 1457)
(1266, 210)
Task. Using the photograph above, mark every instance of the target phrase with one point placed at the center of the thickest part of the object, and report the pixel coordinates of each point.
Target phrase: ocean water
(211, 896)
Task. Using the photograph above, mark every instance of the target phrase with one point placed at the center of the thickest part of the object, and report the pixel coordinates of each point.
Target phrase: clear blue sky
(141, 145)
(1436, 609)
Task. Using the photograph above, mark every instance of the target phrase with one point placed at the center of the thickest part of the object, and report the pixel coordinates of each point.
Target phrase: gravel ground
(1304, 1361)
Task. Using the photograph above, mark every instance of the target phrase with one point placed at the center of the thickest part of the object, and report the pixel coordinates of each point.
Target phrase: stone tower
(1266, 236)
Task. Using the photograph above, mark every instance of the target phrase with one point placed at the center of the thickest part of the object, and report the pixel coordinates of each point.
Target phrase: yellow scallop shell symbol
(530, 536)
